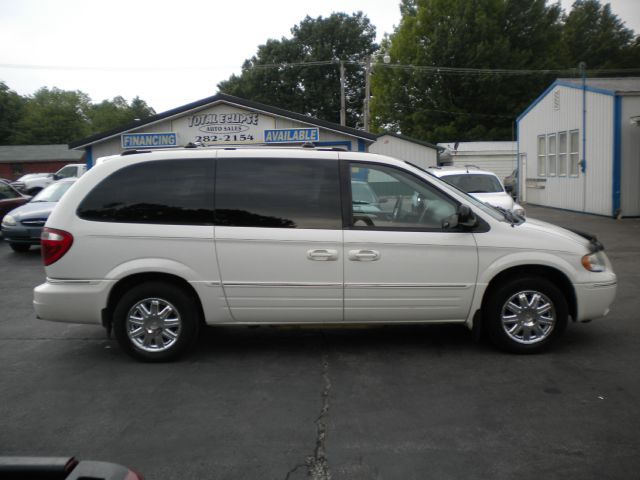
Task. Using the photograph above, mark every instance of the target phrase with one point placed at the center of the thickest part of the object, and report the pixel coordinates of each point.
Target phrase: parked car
(154, 245)
(481, 184)
(10, 198)
(32, 183)
(22, 226)
(62, 468)
(510, 183)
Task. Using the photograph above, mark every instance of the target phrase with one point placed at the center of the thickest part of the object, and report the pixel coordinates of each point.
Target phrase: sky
(168, 53)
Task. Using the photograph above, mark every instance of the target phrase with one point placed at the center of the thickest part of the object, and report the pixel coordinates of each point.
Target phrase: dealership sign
(149, 140)
(291, 135)
(223, 125)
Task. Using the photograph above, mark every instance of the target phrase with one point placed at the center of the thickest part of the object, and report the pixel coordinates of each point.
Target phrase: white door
(400, 264)
(279, 238)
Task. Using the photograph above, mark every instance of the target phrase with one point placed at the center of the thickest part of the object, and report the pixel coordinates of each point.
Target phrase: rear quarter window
(175, 192)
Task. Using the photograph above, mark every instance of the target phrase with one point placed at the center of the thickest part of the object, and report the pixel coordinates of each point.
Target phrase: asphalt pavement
(402, 402)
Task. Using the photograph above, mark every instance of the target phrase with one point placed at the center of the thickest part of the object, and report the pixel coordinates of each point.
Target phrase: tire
(159, 336)
(20, 247)
(523, 330)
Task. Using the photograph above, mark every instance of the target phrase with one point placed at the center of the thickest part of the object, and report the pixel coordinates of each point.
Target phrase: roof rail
(134, 152)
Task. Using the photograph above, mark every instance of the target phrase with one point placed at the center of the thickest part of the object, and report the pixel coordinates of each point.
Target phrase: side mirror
(464, 217)
(56, 176)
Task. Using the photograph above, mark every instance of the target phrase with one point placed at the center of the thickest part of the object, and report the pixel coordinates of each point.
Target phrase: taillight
(54, 244)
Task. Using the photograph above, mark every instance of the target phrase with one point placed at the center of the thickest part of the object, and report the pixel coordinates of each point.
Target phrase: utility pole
(367, 92)
(343, 111)
(367, 87)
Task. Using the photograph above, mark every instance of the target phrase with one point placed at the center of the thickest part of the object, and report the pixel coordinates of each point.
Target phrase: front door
(400, 264)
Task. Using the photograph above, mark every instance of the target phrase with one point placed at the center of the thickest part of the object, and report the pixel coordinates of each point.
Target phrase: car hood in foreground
(558, 238)
(33, 210)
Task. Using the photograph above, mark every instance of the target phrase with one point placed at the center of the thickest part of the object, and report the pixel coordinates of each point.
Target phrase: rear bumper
(594, 299)
(74, 301)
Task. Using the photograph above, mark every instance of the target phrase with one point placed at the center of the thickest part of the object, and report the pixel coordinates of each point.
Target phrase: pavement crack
(317, 464)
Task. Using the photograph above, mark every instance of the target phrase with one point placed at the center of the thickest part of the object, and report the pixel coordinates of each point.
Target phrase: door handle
(364, 255)
(322, 255)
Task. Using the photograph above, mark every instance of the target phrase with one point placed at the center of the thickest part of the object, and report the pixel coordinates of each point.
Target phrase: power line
(282, 65)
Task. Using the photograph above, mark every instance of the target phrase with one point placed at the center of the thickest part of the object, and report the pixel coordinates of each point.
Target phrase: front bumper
(594, 299)
(74, 301)
(21, 234)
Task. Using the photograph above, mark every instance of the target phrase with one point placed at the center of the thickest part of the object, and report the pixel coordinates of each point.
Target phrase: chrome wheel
(528, 317)
(153, 325)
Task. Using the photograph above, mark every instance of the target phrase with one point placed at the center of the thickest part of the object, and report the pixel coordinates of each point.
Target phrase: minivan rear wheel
(156, 321)
(525, 315)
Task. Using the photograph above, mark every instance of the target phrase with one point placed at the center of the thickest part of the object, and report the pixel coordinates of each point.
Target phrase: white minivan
(155, 245)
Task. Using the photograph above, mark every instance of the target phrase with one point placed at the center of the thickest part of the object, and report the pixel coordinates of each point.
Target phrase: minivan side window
(170, 192)
(278, 193)
(390, 199)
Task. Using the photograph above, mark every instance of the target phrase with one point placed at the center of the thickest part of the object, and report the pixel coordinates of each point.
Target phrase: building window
(574, 152)
(562, 154)
(551, 154)
(542, 155)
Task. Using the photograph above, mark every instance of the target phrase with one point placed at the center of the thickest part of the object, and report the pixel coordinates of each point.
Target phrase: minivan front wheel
(155, 321)
(526, 315)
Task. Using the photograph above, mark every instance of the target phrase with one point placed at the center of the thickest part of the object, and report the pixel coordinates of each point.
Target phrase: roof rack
(134, 152)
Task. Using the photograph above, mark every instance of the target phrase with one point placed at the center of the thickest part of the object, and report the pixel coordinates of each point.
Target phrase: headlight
(594, 262)
(9, 221)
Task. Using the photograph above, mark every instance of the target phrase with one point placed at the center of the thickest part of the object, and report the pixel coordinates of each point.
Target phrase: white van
(157, 244)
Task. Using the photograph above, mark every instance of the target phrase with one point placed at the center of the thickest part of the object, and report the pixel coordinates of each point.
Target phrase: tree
(109, 114)
(59, 116)
(11, 108)
(594, 34)
(484, 34)
(315, 89)
(53, 116)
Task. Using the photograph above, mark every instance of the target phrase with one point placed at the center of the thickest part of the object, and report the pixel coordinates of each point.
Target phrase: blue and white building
(579, 147)
(231, 121)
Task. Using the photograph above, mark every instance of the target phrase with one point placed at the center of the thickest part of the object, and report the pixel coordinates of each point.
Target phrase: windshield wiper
(511, 217)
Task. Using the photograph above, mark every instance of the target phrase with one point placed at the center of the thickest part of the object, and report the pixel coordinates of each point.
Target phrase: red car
(10, 198)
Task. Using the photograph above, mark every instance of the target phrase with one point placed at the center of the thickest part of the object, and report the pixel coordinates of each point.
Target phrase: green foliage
(593, 34)
(487, 34)
(314, 90)
(53, 116)
(109, 114)
(483, 34)
(11, 108)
